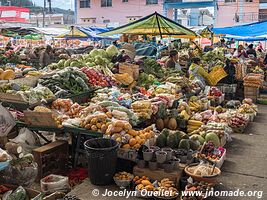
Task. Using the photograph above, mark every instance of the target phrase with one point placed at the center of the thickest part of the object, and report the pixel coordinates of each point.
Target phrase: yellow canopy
(73, 33)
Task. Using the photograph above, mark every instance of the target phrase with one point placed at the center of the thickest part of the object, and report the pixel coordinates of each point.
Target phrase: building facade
(236, 12)
(50, 20)
(115, 12)
(220, 13)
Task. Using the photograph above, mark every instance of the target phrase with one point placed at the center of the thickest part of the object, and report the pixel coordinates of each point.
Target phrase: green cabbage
(112, 51)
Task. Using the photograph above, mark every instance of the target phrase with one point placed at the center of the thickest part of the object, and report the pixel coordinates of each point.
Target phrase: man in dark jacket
(251, 51)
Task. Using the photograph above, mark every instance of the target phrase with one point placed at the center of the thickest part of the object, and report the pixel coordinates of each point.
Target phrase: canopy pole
(158, 25)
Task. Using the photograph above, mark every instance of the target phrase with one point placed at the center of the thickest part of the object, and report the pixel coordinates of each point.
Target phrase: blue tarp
(93, 32)
(253, 30)
(248, 39)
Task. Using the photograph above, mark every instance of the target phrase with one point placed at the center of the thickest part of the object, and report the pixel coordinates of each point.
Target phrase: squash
(132, 141)
(8, 74)
(172, 124)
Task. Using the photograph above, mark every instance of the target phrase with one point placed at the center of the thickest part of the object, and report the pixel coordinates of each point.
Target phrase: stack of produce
(122, 132)
(176, 139)
(29, 94)
(96, 122)
(146, 80)
(195, 104)
(97, 57)
(218, 128)
(67, 82)
(96, 78)
(209, 152)
(143, 183)
(166, 187)
(152, 67)
(238, 120)
(214, 92)
(193, 125)
(197, 187)
(142, 109)
(7, 74)
(253, 80)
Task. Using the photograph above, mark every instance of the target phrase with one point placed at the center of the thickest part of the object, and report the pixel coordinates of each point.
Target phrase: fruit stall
(131, 122)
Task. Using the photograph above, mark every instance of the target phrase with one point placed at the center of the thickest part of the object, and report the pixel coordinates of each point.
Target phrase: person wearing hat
(197, 73)
(172, 61)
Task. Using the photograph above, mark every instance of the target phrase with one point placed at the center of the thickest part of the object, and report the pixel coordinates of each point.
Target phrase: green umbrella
(154, 24)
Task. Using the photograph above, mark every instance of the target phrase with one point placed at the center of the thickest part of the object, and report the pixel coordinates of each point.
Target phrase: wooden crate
(12, 97)
(131, 69)
(51, 158)
(30, 192)
(33, 118)
(251, 92)
(158, 174)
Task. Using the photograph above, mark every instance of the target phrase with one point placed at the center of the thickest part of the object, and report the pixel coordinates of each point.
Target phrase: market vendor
(240, 53)
(172, 61)
(45, 56)
(251, 51)
(197, 72)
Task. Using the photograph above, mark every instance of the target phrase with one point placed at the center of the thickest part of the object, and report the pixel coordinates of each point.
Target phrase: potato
(94, 128)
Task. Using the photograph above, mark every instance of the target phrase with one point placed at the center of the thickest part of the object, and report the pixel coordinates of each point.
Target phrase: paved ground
(245, 167)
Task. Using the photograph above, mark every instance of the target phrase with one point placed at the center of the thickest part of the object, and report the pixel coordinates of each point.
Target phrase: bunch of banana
(193, 125)
(33, 73)
(195, 106)
(184, 115)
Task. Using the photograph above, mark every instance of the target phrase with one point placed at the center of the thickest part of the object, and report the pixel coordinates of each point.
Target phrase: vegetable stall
(155, 120)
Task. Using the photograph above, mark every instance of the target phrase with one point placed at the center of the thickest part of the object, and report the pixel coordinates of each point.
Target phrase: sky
(64, 4)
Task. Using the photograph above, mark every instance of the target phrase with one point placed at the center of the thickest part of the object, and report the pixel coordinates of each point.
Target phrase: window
(124, 1)
(84, 3)
(229, 1)
(106, 21)
(249, 1)
(106, 3)
(149, 2)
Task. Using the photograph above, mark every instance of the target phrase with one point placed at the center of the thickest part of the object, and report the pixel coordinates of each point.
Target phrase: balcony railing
(263, 1)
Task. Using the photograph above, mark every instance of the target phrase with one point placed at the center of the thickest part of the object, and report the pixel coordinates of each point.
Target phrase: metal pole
(158, 25)
(44, 13)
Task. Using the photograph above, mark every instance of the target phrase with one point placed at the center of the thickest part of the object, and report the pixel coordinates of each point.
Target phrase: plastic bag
(55, 183)
(21, 171)
(27, 139)
(7, 121)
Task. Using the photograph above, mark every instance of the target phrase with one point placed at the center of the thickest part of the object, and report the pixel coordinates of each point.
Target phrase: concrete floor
(244, 168)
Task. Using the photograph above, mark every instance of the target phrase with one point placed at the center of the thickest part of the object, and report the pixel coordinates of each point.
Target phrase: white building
(49, 20)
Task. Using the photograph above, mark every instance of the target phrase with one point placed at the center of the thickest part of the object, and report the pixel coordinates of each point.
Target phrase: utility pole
(44, 13)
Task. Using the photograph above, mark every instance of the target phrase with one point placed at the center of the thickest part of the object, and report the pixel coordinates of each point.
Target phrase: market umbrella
(154, 24)
(73, 33)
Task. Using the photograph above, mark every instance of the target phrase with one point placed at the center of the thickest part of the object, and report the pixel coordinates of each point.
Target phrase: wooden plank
(50, 146)
(33, 118)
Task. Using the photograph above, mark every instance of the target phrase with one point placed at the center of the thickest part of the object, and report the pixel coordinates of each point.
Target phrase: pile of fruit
(197, 186)
(238, 120)
(143, 183)
(123, 176)
(166, 186)
(209, 152)
(96, 78)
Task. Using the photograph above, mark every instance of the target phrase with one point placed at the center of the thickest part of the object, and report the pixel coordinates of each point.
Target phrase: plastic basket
(215, 76)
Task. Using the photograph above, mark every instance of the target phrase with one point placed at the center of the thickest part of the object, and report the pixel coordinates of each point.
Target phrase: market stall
(93, 109)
